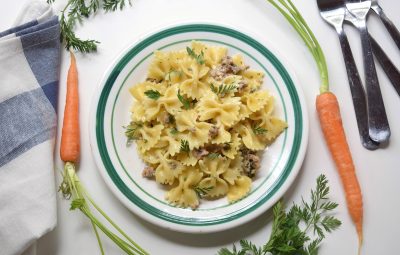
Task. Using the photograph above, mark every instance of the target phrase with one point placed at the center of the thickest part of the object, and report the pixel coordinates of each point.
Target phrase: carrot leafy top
(293, 16)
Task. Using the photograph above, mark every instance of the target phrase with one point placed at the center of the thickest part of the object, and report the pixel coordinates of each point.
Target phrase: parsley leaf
(174, 131)
(152, 94)
(202, 191)
(131, 131)
(223, 89)
(213, 155)
(199, 58)
(185, 146)
(257, 130)
(185, 102)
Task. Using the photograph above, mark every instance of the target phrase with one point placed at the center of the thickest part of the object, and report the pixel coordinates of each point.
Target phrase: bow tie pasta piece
(138, 110)
(263, 114)
(256, 101)
(194, 131)
(171, 143)
(222, 135)
(168, 170)
(250, 139)
(214, 168)
(225, 111)
(187, 159)
(195, 85)
(159, 67)
(148, 136)
(212, 54)
(168, 101)
(237, 60)
(152, 156)
(240, 189)
(253, 78)
(230, 149)
(184, 194)
(274, 127)
(231, 174)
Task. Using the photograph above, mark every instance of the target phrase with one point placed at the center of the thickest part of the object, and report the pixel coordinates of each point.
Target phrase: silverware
(388, 67)
(391, 28)
(333, 12)
(378, 124)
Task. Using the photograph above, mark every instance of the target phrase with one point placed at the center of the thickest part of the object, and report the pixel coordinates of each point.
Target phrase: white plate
(121, 167)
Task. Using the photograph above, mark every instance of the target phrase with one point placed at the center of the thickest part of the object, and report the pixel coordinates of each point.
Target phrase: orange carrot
(70, 138)
(331, 124)
(329, 116)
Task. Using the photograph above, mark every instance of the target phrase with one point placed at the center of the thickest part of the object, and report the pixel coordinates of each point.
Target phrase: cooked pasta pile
(199, 121)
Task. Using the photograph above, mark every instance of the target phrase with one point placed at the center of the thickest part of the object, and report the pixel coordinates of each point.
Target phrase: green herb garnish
(131, 131)
(174, 131)
(172, 71)
(185, 146)
(299, 230)
(223, 89)
(257, 130)
(202, 191)
(185, 102)
(199, 58)
(152, 94)
(75, 11)
(213, 155)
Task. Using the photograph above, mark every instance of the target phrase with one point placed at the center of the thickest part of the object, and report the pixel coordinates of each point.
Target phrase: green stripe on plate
(298, 128)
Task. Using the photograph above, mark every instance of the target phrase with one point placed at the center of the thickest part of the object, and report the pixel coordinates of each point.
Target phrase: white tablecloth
(378, 171)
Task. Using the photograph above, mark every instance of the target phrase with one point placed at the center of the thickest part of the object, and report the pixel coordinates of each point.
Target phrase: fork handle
(379, 129)
(357, 92)
(387, 65)
(391, 28)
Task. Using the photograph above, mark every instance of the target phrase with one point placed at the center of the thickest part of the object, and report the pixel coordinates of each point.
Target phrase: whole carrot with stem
(71, 186)
(329, 116)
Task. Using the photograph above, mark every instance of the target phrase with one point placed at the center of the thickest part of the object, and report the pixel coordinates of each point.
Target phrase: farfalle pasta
(199, 121)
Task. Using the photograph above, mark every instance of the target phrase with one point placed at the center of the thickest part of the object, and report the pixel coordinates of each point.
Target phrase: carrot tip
(360, 241)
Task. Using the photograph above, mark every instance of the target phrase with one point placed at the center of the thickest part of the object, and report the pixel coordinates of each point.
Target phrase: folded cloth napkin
(29, 70)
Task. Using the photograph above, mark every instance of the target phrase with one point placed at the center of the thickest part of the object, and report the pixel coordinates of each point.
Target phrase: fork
(378, 124)
(333, 12)
(394, 33)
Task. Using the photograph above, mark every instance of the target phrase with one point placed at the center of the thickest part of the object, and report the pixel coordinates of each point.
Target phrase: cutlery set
(372, 122)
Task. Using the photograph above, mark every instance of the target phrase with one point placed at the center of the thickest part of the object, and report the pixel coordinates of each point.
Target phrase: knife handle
(388, 67)
(357, 92)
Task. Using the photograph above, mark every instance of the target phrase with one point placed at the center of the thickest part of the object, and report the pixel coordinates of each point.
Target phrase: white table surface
(378, 171)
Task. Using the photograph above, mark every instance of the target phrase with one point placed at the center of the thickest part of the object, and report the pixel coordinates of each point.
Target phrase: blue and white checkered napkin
(29, 69)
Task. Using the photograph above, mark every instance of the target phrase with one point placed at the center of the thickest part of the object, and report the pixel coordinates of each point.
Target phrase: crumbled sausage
(214, 130)
(167, 119)
(251, 162)
(242, 85)
(226, 146)
(200, 153)
(148, 172)
(226, 68)
(151, 79)
(213, 148)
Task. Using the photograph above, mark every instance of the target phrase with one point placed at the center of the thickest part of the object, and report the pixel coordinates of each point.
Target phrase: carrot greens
(74, 12)
(298, 230)
(293, 16)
